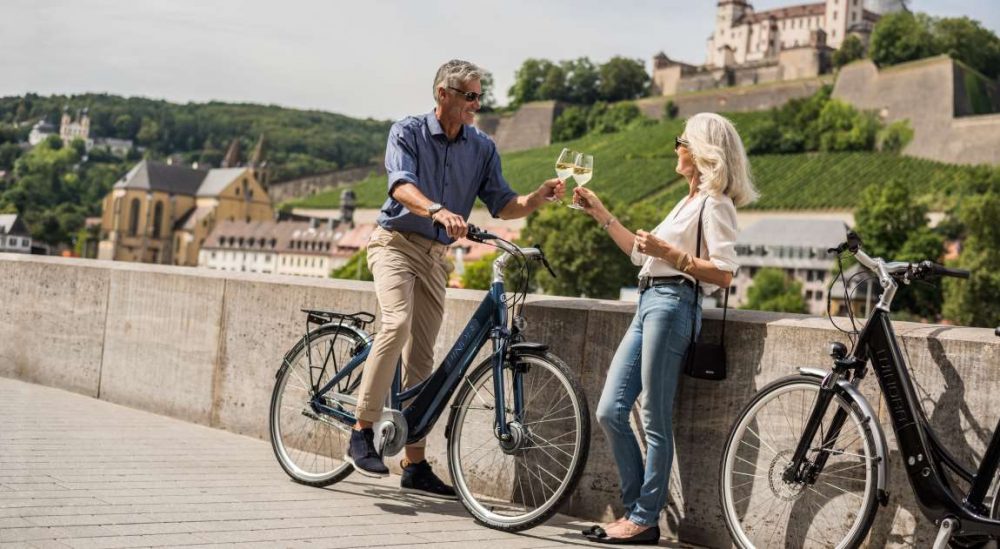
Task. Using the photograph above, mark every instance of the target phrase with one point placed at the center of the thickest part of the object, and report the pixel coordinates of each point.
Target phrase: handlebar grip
(945, 271)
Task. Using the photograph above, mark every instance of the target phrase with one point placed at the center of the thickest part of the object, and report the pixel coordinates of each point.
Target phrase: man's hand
(453, 224)
(649, 244)
(552, 190)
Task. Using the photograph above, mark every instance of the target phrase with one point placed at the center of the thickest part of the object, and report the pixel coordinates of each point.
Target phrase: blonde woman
(649, 359)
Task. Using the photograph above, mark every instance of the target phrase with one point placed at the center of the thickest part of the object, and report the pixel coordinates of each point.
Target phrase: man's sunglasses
(680, 142)
(469, 96)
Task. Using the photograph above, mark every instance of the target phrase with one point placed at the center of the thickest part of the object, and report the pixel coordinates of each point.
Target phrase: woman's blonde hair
(720, 157)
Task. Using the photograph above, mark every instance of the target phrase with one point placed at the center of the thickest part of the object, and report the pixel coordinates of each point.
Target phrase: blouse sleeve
(720, 234)
(637, 258)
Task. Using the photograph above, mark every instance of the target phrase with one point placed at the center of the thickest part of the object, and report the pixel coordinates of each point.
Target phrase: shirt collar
(435, 126)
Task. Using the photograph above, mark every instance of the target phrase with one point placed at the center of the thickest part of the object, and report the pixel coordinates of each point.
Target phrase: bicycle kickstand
(945, 532)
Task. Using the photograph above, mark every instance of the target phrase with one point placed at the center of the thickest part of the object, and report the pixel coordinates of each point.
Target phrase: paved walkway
(80, 472)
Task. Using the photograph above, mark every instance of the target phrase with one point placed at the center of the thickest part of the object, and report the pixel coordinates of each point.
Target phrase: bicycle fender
(528, 347)
(851, 393)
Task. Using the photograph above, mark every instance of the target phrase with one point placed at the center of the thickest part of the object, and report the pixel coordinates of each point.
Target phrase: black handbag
(706, 360)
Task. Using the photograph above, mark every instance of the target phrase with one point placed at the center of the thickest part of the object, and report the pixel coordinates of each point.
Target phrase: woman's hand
(649, 244)
(586, 199)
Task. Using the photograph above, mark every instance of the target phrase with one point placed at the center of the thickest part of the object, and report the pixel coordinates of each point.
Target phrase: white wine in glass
(565, 166)
(583, 170)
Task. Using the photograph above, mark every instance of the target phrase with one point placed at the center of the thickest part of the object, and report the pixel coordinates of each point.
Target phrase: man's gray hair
(455, 73)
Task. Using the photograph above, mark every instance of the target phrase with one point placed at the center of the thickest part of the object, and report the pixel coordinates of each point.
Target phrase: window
(213, 255)
(133, 219)
(25, 242)
(157, 219)
(819, 295)
(809, 295)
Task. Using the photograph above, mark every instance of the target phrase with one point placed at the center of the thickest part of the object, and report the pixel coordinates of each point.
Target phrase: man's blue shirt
(451, 173)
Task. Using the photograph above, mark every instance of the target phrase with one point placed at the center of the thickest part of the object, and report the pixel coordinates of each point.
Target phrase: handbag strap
(697, 283)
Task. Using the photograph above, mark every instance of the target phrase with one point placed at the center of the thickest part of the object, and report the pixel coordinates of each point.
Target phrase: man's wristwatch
(434, 208)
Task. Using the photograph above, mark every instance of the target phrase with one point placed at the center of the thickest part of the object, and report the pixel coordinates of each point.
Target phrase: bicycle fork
(801, 470)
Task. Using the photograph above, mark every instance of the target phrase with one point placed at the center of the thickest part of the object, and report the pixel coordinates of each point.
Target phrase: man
(438, 164)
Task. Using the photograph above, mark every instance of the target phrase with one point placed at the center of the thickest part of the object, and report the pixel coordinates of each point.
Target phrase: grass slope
(638, 165)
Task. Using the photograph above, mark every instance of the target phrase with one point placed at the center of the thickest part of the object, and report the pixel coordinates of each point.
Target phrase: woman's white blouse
(680, 230)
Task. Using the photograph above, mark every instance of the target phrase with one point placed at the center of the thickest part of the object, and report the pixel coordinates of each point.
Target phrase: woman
(711, 157)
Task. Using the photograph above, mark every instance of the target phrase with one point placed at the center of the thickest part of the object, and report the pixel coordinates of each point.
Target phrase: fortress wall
(528, 128)
(205, 345)
(297, 188)
(739, 99)
(928, 93)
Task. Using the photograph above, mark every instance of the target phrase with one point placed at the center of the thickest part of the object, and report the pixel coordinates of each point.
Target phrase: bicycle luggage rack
(321, 317)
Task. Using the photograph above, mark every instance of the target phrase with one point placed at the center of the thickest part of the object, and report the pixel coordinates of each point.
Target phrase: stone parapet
(204, 346)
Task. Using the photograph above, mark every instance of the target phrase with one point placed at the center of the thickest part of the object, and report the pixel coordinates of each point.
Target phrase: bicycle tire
(792, 493)
(472, 489)
(313, 440)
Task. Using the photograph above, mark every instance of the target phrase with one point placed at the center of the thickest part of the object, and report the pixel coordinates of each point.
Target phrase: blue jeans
(649, 360)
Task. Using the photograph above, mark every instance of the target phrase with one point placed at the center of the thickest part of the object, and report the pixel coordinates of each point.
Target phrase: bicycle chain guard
(390, 432)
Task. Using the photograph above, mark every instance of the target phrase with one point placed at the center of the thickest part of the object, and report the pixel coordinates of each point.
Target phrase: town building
(298, 248)
(40, 132)
(14, 235)
(799, 247)
(750, 47)
(162, 213)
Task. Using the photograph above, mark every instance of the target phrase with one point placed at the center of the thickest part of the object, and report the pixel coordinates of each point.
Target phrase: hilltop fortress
(749, 47)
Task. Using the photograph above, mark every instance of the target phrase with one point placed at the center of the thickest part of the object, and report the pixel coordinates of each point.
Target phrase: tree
(585, 259)
(850, 50)
(478, 275)
(841, 127)
(527, 81)
(356, 268)
(771, 290)
(900, 37)
(976, 301)
(894, 227)
(487, 101)
(968, 41)
(622, 79)
(581, 81)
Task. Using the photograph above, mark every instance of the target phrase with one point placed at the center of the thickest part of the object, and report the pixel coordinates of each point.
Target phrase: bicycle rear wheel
(309, 445)
(761, 508)
(519, 483)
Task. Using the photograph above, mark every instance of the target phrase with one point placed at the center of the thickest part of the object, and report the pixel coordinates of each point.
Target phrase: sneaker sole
(427, 494)
(363, 472)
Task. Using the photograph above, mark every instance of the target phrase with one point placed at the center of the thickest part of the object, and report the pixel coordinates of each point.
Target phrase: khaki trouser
(411, 273)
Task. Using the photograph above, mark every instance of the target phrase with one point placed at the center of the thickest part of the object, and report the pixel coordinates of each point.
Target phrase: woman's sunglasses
(680, 142)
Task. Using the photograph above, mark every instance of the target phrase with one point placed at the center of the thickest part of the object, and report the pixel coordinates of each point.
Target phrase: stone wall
(306, 186)
(931, 94)
(529, 127)
(739, 99)
(204, 346)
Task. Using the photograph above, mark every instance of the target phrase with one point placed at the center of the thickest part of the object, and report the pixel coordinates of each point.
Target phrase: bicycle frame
(924, 455)
(430, 397)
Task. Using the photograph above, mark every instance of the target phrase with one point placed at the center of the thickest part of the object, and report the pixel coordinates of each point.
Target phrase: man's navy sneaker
(363, 455)
(418, 478)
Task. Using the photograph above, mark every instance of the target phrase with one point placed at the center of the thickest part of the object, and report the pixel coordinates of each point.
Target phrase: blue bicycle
(519, 428)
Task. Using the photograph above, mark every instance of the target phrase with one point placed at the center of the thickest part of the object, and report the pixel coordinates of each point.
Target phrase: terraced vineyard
(638, 165)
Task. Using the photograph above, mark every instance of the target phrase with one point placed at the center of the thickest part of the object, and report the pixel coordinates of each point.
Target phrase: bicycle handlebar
(535, 252)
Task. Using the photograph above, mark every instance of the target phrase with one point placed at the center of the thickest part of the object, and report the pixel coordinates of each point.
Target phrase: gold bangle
(690, 264)
(608, 223)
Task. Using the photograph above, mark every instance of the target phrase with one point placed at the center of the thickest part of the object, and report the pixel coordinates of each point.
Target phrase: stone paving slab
(85, 473)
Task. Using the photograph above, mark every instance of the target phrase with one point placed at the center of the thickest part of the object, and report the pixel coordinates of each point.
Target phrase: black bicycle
(806, 465)
(519, 428)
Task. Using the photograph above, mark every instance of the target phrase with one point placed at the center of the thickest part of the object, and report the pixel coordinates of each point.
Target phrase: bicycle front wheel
(518, 483)
(310, 445)
(834, 508)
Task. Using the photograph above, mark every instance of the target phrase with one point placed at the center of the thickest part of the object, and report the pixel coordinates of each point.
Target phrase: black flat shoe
(592, 530)
(649, 536)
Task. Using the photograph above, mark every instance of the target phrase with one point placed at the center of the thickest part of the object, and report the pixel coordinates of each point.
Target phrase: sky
(363, 58)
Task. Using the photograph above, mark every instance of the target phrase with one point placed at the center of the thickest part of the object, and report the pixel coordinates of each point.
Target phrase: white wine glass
(564, 167)
(583, 170)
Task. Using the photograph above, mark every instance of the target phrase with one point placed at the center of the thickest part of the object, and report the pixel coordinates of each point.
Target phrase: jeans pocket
(668, 291)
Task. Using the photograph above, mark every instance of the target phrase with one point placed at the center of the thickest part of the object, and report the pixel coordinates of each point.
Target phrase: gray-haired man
(438, 164)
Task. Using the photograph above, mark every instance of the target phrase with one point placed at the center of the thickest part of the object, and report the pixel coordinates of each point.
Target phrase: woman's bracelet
(608, 223)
